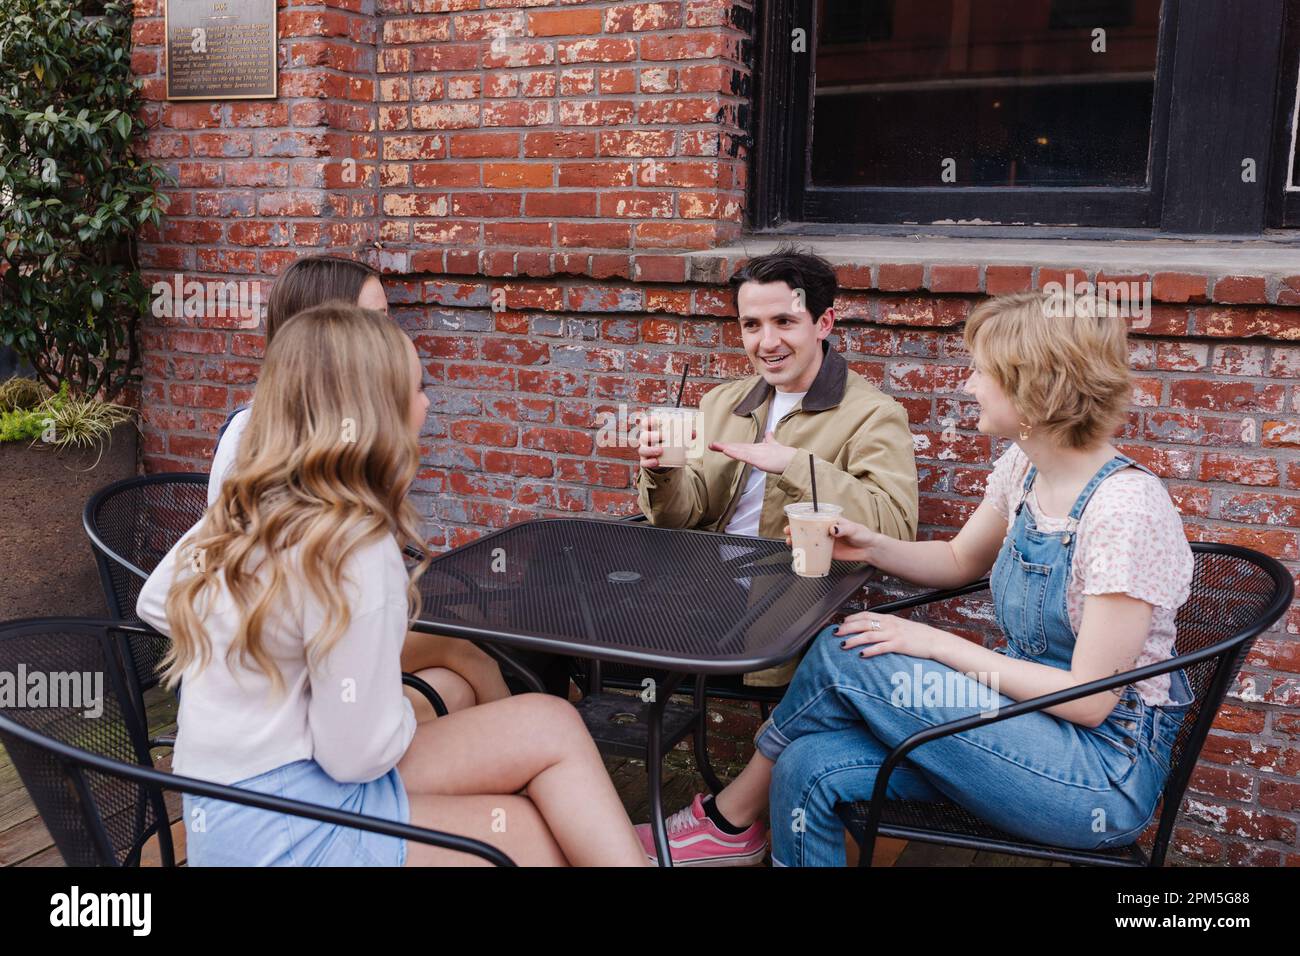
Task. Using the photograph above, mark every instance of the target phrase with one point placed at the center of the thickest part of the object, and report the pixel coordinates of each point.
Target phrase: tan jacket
(863, 455)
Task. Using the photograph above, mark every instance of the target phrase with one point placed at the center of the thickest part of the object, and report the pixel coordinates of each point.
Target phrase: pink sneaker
(694, 840)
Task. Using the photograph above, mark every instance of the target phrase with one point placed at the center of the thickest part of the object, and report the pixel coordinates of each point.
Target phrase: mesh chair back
(132, 524)
(1233, 593)
(95, 819)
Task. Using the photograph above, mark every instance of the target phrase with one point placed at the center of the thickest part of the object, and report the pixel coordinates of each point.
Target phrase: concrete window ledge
(1180, 271)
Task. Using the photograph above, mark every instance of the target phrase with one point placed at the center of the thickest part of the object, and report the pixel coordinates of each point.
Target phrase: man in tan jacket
(760, 429)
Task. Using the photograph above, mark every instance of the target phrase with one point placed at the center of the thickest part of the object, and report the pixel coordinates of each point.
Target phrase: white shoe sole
(748, 859)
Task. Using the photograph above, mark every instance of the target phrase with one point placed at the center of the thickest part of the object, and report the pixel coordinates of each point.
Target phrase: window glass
(984, 92)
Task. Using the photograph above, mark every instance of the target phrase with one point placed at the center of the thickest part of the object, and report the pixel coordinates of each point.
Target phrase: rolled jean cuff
(769, 741)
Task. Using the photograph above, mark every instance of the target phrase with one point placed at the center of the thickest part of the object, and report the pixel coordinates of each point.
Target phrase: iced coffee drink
(810, 537)
(676, 428)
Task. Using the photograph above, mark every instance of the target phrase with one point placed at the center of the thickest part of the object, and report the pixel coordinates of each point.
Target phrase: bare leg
(742, 800)
(451, 687)
(519, 831)
(536, 742)
(480, 671)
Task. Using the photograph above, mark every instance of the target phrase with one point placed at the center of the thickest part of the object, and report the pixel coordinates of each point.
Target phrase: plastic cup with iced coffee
(810, 537)
(676, 430)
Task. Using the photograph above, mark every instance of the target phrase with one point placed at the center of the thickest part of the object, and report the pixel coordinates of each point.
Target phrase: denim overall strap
(1032, 574)
(1076, 512)
(1106, 470)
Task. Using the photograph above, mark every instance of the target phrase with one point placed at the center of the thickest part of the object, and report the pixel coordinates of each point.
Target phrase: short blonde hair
(1066, 370)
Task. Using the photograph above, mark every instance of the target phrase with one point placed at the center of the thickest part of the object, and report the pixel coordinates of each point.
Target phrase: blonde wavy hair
(325, 462)
(1065, 369)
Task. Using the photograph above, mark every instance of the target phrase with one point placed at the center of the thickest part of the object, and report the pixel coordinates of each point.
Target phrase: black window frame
(1212, 107)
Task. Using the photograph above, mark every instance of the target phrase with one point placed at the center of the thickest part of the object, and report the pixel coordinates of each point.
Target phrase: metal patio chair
(92, 778)
(1236, 594)
(132, 524)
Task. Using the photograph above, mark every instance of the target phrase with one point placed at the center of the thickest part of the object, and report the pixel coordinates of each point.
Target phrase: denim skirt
(219, 833)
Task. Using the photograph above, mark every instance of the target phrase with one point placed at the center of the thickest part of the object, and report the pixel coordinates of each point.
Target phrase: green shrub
(28, 412)
(22, 393)
(72, 194)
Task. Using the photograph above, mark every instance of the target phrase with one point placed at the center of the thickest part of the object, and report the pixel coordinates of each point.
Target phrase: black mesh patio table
(676, 602)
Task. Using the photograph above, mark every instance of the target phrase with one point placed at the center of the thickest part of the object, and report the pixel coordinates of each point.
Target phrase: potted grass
(73, 192)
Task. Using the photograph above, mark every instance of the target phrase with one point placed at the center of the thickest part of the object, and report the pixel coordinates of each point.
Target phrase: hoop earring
(1025, 428)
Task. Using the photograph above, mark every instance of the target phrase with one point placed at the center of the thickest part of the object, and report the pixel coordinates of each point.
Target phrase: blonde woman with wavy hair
(1088, 565)
(288, 605)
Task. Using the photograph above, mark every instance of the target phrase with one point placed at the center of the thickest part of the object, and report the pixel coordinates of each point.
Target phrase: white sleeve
(151, 605)
(361, 723)
(1006, 481)
(224, 456)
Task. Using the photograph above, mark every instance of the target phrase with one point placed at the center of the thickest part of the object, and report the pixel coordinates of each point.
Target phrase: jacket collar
(827, 389)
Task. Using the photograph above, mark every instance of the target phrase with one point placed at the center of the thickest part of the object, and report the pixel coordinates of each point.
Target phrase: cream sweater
(350, 716)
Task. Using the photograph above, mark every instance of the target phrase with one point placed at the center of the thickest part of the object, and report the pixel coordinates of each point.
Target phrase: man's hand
(768, 455)
(649, 448)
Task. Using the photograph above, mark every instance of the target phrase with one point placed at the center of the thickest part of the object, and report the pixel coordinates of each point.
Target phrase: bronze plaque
(220, 49)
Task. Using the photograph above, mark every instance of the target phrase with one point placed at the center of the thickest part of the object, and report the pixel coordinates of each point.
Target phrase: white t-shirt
(350, 715)
(750, 507)
(224, 457)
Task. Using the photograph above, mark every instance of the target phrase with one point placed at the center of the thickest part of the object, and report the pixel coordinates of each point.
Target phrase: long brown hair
(325, 462)
(310, 281)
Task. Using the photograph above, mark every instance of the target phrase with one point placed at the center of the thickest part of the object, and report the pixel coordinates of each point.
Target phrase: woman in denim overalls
(1086, 774)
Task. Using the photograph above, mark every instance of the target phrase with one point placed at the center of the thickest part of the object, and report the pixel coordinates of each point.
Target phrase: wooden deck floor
(24, 841)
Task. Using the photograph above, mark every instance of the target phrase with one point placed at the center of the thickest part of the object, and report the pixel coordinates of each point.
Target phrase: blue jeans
(1035, 776)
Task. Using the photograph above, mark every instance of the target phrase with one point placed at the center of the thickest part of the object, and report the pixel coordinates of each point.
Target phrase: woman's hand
(887, 634)
(852, 541)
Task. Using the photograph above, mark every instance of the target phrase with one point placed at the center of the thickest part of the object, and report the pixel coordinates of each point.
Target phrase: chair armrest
(167, 742)
(439, 708)
(413, 552)
(930, 597)
(636, 517)
(149, 776)
(502, 656)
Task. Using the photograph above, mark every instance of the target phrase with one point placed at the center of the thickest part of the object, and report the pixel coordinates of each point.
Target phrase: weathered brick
(1239, 289)
(1003, 280)
(948, 278)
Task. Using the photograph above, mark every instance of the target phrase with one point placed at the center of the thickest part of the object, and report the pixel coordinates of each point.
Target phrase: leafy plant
(21, 392)
(28, 413)
(72, 194)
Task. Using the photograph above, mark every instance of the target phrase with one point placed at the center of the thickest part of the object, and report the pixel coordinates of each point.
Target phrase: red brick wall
(566, 154)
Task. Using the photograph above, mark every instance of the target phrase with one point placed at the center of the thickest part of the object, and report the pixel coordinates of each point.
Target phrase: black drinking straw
(682, 387)
(812, 472)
